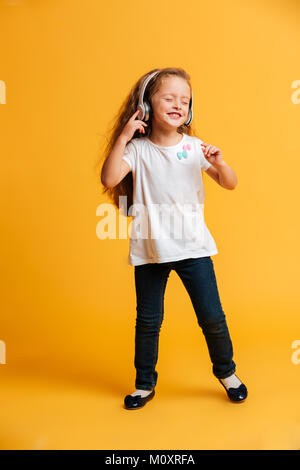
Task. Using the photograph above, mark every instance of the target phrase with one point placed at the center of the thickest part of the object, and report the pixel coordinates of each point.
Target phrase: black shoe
(137, 401)
(236, 394)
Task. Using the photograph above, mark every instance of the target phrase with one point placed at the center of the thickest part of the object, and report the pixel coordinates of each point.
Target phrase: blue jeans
(198, 277)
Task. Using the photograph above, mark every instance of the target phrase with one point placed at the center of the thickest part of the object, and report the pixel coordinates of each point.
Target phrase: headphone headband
(145, 83)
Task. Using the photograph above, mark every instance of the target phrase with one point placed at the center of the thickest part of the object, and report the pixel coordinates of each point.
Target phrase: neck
(165, 138)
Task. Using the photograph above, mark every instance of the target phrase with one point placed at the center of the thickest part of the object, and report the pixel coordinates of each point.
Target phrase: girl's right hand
(132, 125)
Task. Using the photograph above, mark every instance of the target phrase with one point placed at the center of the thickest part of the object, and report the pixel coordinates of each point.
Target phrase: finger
(207, 149)
(210, 150)
(135, 114)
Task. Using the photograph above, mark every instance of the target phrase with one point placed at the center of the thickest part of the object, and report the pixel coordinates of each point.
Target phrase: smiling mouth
(174, 115)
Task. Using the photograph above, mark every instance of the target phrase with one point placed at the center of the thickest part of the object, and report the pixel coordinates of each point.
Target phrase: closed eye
(169, 99)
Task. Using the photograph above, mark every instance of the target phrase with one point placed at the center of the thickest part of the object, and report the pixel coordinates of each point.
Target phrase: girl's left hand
(212, 154)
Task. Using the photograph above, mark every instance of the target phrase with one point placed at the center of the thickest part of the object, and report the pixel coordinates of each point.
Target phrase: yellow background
(68, 298)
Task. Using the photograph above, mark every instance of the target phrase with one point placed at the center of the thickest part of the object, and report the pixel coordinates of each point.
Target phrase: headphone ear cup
(189, 119)
(147, 111)
(190, 113)
(141, 114)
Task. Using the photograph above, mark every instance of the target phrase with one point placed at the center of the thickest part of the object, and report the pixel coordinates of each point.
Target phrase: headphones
(145, 108)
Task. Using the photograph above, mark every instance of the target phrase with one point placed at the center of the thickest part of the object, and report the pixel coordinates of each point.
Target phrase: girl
(157, 165)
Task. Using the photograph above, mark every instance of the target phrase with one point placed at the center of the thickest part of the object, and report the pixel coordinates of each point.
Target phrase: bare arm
(219, 170)
(223, 175)
(114, 168)
(227, 176)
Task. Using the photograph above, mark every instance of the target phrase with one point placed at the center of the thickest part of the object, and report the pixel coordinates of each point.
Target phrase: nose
(177, 106)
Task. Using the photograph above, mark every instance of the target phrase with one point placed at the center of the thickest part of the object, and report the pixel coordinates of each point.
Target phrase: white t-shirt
(168, 201)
